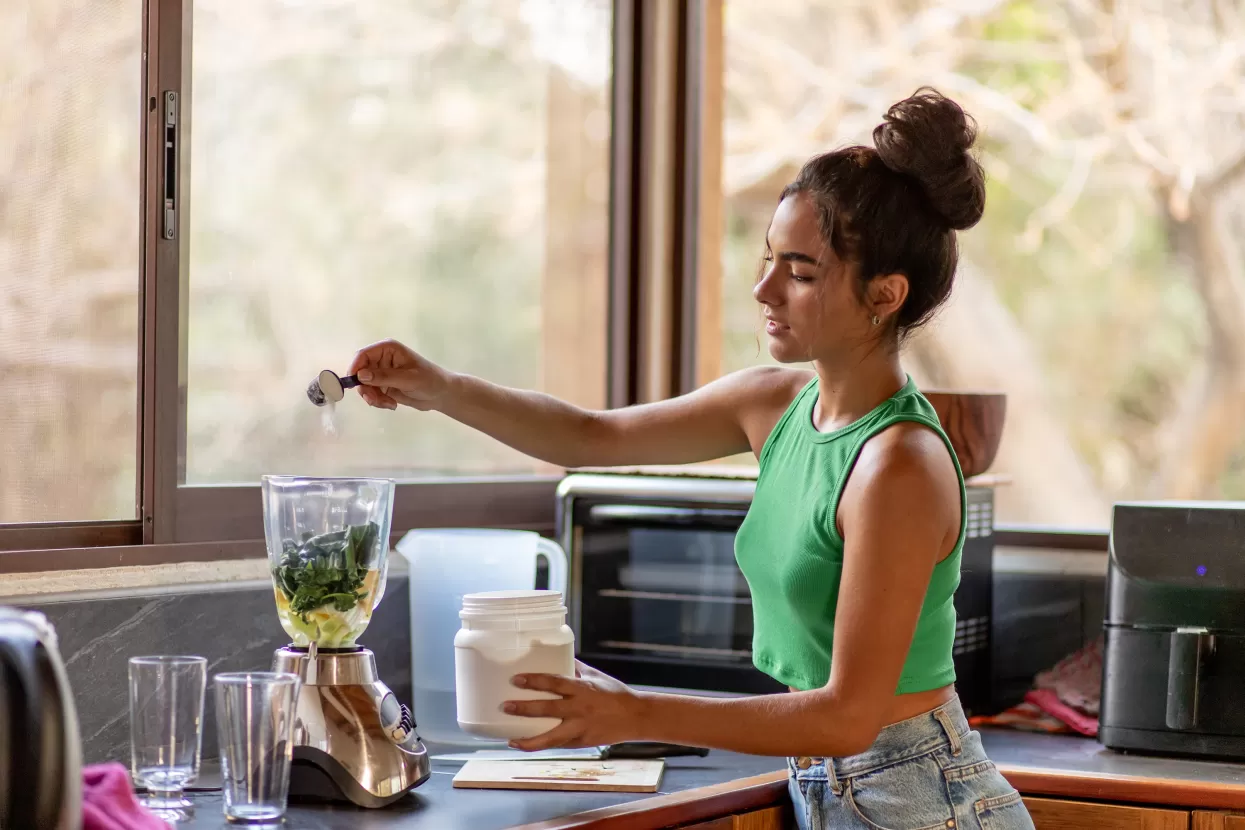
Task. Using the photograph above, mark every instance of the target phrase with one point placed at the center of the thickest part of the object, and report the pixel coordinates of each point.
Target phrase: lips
(774, 327)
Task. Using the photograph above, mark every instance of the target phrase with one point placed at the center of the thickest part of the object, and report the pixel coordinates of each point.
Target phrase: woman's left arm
(898, 509)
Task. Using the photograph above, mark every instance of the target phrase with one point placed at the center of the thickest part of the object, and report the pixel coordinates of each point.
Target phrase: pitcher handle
(557, 564)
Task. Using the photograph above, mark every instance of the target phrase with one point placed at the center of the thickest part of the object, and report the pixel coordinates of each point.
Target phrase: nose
(765, 291)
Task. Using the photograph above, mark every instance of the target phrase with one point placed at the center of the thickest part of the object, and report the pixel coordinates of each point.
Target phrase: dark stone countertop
(436, 805)
(1037, 764)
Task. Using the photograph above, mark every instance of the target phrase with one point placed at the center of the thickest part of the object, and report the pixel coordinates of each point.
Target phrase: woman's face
(812, 310)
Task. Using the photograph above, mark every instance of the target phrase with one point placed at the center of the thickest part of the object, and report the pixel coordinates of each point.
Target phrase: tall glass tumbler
(255, 722)
(166, 729)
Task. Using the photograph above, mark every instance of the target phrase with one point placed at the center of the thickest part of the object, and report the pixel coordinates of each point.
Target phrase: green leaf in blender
(326, 569)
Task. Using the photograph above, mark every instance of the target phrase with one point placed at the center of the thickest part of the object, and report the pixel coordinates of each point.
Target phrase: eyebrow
(796, 256)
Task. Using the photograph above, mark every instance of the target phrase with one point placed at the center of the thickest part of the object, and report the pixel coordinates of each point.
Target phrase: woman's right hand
(392, 374)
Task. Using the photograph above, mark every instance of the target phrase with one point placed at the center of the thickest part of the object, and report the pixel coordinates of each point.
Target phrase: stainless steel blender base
(353, 740)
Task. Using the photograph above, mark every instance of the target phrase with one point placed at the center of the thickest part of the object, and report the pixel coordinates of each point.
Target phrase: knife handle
(651, 749)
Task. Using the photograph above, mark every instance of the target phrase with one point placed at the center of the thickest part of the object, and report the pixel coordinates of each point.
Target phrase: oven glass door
(662, 601)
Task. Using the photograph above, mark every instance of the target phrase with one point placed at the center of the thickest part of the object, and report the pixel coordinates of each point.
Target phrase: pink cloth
(1076, 680)
(1064, 698)
(108, 801)
(1048, 701)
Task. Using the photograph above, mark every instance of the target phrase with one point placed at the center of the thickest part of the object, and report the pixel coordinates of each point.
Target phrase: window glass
(434, 172)
(70, 121)
(1103, 290)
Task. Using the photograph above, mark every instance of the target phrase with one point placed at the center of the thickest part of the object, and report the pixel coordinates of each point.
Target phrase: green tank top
(791, 553)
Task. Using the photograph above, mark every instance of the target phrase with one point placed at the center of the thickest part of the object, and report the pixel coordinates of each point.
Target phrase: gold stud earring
(875, 320)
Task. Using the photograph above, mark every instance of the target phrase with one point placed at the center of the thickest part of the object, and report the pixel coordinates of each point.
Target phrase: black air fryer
(1173, 676)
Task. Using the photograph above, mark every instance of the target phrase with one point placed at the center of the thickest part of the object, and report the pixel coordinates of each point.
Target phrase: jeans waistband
(944, 726)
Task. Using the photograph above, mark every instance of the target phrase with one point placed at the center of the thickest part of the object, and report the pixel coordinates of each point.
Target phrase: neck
(852, 386)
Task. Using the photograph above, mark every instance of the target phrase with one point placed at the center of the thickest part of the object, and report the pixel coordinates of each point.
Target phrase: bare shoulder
(906, 466)
(774, 383)
(766, 392)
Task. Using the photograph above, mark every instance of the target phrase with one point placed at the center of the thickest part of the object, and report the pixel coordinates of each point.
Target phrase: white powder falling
(328, 418)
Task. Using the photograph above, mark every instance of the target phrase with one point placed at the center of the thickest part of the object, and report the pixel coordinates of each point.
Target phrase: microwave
(656, 599)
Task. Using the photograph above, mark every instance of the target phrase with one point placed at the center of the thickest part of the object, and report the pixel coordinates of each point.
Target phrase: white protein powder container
(505, 633)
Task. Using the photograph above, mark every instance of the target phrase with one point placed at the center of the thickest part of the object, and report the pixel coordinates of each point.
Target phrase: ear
(886, 295)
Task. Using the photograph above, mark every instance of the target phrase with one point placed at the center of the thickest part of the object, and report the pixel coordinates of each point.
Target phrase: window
(1102, 290)
(70, 105)
(433, 172)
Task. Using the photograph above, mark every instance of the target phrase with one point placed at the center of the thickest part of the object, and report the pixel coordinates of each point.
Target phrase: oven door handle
(666, 516)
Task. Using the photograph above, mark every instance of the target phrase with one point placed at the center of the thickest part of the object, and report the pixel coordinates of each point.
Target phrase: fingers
(376, 376)
(563, 735)
(369, 356)
(548, 683)
(377, 398)
(536, 708)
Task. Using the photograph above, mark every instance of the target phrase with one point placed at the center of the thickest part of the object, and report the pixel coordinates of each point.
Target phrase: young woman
(852, 543)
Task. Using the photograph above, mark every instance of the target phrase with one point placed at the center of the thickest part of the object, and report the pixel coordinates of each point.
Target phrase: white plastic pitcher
(445, 564)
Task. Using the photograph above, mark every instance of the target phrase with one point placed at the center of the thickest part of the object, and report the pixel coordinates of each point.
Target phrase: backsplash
(236, 629)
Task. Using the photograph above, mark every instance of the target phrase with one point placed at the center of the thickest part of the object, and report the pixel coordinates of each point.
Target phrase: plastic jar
(505, 633)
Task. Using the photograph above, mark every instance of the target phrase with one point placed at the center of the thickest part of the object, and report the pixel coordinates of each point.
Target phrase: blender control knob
(405, 726)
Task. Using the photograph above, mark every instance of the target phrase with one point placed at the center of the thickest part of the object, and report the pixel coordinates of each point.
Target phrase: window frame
(666, 93)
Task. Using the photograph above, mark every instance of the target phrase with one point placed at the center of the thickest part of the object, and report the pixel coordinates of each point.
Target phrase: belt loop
(953, 737)
(832, 776)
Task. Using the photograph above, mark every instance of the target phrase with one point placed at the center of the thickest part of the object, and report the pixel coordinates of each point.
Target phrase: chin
(783, 353)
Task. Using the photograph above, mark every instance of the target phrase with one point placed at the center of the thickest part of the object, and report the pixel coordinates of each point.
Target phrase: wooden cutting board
(623, 776)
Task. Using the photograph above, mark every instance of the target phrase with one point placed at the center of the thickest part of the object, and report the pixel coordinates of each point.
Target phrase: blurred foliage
(1077, 240)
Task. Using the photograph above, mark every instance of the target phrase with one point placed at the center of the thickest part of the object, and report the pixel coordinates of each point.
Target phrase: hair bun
(928, 136)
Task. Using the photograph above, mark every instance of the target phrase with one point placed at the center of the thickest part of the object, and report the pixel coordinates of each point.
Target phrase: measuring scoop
(329, 388)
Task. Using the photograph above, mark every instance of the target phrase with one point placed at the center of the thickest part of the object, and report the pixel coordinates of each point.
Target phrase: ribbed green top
(791, 553)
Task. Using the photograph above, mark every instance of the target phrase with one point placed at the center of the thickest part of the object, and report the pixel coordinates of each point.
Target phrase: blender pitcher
(328, 541)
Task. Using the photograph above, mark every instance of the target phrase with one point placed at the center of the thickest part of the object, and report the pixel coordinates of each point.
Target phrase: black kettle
(40, 745)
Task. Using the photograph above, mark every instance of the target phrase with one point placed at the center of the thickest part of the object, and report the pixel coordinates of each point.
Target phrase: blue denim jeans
(926, 772)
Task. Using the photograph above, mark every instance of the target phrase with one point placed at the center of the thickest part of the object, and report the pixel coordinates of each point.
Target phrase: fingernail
(513, 744)
(364, 375)
(519, 681)
(509, 708)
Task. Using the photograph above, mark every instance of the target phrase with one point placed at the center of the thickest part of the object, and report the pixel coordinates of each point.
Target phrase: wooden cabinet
(1208, 820)
(1058, 814)
(770, 818)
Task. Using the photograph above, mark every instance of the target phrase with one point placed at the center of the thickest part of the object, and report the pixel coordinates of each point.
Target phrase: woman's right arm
(727, 416)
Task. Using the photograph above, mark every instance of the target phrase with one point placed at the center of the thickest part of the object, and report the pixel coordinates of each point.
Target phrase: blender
(328, 542)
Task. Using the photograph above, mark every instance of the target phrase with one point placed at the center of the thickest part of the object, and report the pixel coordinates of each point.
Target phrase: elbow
(853, 741)
(853, 725)
(590, 442)
(580, 445)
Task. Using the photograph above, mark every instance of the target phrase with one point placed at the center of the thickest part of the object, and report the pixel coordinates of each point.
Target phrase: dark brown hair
(894, 208)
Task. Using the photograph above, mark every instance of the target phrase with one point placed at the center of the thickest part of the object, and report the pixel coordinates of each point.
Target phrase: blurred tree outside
(435, 172)
(1103, 291)
(70, 110)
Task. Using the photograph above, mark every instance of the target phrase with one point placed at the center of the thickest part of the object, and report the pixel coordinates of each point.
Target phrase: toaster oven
(655, 597)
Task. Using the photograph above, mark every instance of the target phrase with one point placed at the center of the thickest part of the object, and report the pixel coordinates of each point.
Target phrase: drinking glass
(255, 724)
(166, 729)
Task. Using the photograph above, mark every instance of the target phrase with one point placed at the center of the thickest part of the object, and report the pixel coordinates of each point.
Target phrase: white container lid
(502, 604)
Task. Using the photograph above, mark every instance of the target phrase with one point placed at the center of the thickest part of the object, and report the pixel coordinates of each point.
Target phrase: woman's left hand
(595, 709)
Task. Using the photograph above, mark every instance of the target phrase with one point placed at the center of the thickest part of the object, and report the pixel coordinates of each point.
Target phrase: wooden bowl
(974, 423)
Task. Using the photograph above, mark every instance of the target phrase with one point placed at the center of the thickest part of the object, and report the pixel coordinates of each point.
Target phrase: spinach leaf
(328, 569)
